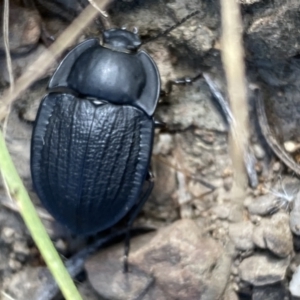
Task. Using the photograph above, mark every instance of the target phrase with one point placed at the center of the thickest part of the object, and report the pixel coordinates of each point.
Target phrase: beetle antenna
(191, 15)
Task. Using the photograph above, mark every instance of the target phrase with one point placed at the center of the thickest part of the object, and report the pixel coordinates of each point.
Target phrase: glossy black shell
(91, 147)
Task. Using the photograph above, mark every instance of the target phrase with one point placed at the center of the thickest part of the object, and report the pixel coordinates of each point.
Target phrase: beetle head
(121, 39)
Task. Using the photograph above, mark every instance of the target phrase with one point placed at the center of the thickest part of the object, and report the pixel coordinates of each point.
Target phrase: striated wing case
(89, 160)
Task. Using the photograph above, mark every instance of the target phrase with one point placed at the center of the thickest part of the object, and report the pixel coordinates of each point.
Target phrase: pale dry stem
(233, 60)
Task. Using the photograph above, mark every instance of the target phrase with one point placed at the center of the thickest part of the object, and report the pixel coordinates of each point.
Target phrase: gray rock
(105, 273)
(258, 235)
(255, 219)
(276, 166)
(278, 236)
(227, 183)
(263, 205)
(26, 284)
(222, 211)
(205, 34)
(230, 294)
(164, 144)
(21, 63)
(294, 286)
(177, 263)
(199, 111)
(273, 33)
(287, 189)
(263, 269)
(24, 29)
(18, 138)
(236, 213)
(295, 215)
(195, 36)
(112, 283)
(4, 258)
(87, 292)
(274, 234)
(13, 237)
(270, 292)
(241, 235)
(259, 152)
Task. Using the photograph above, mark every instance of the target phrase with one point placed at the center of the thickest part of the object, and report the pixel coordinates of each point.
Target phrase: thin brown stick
(6, 42)
(233, 60)
(7, 55)
(47, 58)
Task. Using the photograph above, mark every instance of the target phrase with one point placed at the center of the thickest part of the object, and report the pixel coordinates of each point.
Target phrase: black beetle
(93, 135)
(92, 142)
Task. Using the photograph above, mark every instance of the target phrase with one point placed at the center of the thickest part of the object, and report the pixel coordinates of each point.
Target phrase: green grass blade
(35, 226)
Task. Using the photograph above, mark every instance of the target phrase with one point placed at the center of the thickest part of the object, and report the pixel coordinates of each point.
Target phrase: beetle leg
(46, 37)
(179, 81)
(135, 212)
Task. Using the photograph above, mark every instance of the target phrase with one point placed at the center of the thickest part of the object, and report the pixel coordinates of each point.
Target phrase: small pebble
(263, 205)
(231, 294)
(227, 172)
(227, 183)
(164, 144)
(276, 166)
(61, 245)
(258, 168)
(225, 224)
(236, 213)
(259, 152)
(255, 219)
(278, 236)
(14, 264)
(221, 211)
(21, 247)
(197, 189)
(248, 201)
(7, 235)
(241, 235)
(236, 262)
(234, 270)
(24, 30)
(235, 287)
(295, 283)
(258, 236)
(263, 269)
